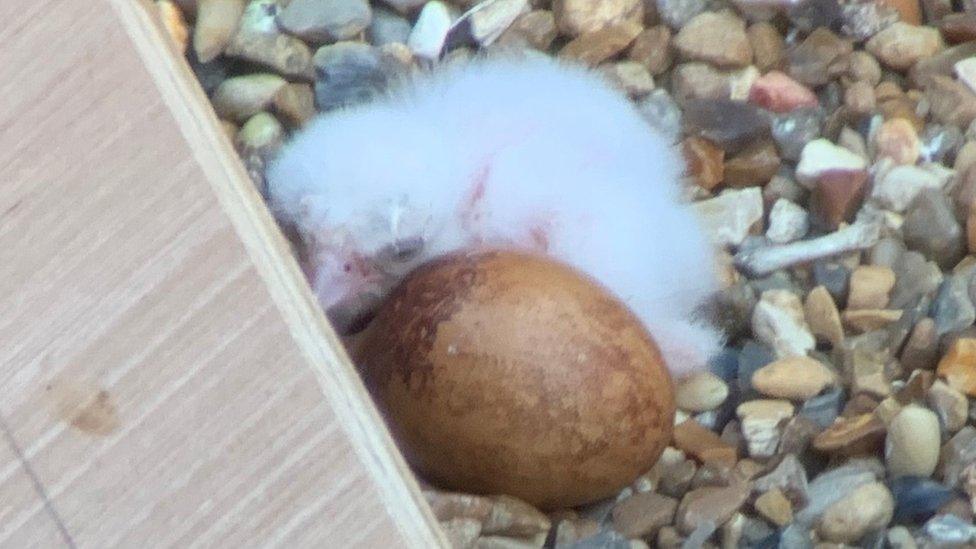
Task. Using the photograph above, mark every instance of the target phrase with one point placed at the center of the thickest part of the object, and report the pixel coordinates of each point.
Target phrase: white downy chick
(520, 153)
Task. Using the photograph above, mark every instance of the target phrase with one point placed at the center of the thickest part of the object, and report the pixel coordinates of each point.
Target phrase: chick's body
(527, 154)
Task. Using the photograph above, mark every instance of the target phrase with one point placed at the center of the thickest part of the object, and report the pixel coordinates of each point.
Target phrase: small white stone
(729, 216)
(869, 508)
(820, 156)
(779, 322)
(787, 222)
(913, 442)
(895, 189)
(761, 424)
(489, 19)
(429, 32)
(966, 71)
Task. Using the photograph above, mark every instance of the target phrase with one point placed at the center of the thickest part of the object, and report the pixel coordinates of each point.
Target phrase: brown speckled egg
(505, 373)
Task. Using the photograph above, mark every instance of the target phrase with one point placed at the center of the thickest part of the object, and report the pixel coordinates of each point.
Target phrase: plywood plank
(166, 377)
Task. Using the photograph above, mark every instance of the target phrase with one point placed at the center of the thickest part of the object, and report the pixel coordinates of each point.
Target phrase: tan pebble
(897, 139)
(175, 23)
(887, 410)
(901, 45)
(951, 405)
(630, 77)
(863, 434)
(958, 366)
(513, 517)
(768, 408)
(965, 158)
(718, 38)
(868, 320)
(868, 373)
(767, 45)
(822, 316)
(652, 48)
(692, 438)
(913, 442)
(859, 98)
(216, 24)
(594, 47)
(705, 162)
(642, 515)
(795, 378)
(503, 542)
(700, 392)
(775, 507)
(922, 348)
(950, 101)
(755, 165)
(909, 11)
(863, 67)
(241, 97)
(870, 287)
(868, 508)
(711, 503)
(536, 28)
(577, 17)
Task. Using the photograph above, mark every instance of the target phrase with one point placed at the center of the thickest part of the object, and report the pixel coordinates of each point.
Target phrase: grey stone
(915, 277)
(793, 130)
(941, 143)
(835, 277)
(678, 12)
(931, 229)
(259, 40)
(952, 309)
(321, 21)
(661, 111)
(387, 28)
(349, 73)
(832, 486)
(732, 125)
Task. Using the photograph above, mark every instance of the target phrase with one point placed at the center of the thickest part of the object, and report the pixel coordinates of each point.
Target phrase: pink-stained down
(524, 153)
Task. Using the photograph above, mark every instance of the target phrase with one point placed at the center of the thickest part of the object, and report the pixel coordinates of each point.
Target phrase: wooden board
(166, 378)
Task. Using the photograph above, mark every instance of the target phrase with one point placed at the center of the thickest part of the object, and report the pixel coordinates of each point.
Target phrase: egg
(507, 373)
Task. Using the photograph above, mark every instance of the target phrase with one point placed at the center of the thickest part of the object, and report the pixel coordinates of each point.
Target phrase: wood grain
(166, 377)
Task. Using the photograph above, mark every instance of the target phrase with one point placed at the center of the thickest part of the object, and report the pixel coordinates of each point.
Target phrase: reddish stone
(837, 196)
(705, 162)
(958, 27)
(777, 92)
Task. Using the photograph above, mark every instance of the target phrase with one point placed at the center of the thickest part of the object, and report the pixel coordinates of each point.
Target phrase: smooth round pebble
(913, 442)
(795, 378)
(869, 508)
(700, 392)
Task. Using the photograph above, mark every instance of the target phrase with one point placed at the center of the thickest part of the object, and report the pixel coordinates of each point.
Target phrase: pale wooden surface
(165, 379)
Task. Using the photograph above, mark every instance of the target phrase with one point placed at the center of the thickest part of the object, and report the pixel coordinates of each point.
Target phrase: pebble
(778, 321)
(718, 38)
(703, 444)
(642, 515)
(832, 486)
(448, 506)
(835, 277)
(898, 187)
(258, 40)
(578, 17)
(859, 98)
(261, 135)
(429, 33)
(820, 156)
(951, 406)
(349, 73)
(513, 517)
(294, 104)
(869, 508)
(870, 287)
(677, 13)
(950, 531)
(789, 477)
(862, 20)
(695, 80)
(652, 48)
(594, 47)
(810, 60)
(836, 198)
(931, 229)
(787, 222)
(917, 499)
(241, 97)
(662, 113)
(819, 412)
(794, 129)
(754, 165)
(216, 24)
(794, 378)
(867, 367)
(705, 162)
(777, 92)
(502, 542)
(958, 366)
(768, 46)
(821, 314)
(710, 504)
(913, 442)
(729, 216)
(939, 64)
(901, 45)
(536, 28)
(897, 139)
(917, 278)
(950, 101)
(488, 20)
(700, 392)
(921, 349)
(861, 434)
(731, 125)
(761, 422)
(958, 27)
(629, 77)
(321, 21)
(774, 506)
(387, 27)
(952, 309)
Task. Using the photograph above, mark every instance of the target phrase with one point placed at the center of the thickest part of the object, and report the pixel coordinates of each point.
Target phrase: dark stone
(732, 125)
(917, 498)
(931, 228)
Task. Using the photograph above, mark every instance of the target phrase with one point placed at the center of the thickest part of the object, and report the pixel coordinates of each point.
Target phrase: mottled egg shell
(507, 373)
